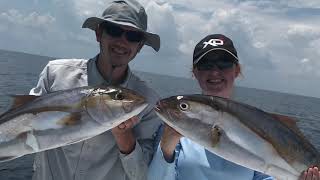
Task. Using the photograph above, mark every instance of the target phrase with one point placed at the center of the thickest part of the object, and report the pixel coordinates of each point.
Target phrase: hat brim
(236, 59)
(152, 40)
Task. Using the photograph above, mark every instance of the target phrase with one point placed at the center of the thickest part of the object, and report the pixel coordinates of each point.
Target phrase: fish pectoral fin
(7, 158)
(215, 135)
(71, 119)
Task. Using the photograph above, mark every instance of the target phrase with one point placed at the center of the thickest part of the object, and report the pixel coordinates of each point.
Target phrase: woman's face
(217, 82)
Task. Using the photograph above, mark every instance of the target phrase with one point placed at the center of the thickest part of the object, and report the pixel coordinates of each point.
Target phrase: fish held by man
(38, 123)
(245, 135)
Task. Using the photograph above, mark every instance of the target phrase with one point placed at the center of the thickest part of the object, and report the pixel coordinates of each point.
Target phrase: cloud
(26, 31)
(281, 38)
(161, 21)
(303, 43)
(276, 4)
(33, 19)
(88, 8)
(303, 32)
(301, 3)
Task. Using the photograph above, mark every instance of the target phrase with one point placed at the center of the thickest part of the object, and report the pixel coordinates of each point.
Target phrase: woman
(215, 66)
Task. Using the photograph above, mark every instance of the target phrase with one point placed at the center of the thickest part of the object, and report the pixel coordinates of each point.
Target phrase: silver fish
(242, 134)
(39, 123)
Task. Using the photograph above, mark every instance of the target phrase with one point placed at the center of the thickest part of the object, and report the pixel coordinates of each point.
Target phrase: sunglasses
(209, 63)
(116, 32)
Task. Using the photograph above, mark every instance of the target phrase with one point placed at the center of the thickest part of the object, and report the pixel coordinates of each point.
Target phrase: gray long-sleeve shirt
(97, 158)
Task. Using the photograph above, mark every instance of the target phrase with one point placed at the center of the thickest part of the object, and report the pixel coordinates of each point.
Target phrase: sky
(278, 41)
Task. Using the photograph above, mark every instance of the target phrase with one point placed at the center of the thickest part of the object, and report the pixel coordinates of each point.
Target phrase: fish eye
(183, 106)
(119, 96)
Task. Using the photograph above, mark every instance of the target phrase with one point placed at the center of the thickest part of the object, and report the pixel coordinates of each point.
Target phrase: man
(125, 151)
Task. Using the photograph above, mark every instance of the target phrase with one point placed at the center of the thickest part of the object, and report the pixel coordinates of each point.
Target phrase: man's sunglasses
(116, 32)
(209, 63)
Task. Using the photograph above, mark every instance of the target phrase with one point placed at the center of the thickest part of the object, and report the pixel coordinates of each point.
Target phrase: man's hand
(311, 174)
(124, 135)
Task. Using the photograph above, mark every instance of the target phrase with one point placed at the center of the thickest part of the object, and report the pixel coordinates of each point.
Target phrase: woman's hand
(169, 140)
(311, 174)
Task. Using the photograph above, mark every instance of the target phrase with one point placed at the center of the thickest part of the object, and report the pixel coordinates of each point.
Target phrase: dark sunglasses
(209, 63)
(116, 32)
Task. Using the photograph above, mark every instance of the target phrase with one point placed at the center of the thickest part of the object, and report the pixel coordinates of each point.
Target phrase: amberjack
(39, 123)
(240, 133)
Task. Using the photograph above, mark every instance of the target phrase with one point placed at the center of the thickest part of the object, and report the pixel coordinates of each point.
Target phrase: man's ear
(98, 33)
(140, 46)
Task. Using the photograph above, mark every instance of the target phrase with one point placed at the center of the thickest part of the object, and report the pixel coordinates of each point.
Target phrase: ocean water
(19, 73)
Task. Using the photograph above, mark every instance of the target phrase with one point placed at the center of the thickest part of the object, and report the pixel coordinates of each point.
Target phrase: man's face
(115, 46)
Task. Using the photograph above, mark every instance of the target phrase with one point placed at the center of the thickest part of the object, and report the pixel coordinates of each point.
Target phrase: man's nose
(123, 38)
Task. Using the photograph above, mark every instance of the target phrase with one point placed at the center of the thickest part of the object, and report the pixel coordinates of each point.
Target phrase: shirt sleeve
(43, 83)
(160, 169)
(136, 163)
(260, 176)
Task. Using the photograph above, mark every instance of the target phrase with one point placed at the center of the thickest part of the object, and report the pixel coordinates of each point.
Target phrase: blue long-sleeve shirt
(193, 161)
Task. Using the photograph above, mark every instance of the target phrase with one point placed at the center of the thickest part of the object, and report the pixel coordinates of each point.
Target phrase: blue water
(19, 73)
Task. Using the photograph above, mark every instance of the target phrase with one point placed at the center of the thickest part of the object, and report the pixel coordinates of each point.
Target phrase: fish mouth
(157, 107)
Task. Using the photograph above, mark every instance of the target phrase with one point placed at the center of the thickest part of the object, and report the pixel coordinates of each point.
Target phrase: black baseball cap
(126, 13)
(212, 43)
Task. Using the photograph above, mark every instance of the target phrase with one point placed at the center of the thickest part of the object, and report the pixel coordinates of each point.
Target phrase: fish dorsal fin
(19, 100)
(290, 122)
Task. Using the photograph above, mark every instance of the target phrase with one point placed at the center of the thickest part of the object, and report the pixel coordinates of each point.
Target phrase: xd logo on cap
(213, 42)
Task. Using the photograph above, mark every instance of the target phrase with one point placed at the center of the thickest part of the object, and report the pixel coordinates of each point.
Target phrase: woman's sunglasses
(116, 32)
(209, 63)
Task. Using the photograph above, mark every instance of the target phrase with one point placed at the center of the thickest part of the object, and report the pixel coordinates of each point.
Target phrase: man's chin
(119, 61)
(119, 65)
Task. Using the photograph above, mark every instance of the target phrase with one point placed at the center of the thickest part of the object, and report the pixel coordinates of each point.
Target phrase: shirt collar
(95, 78)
